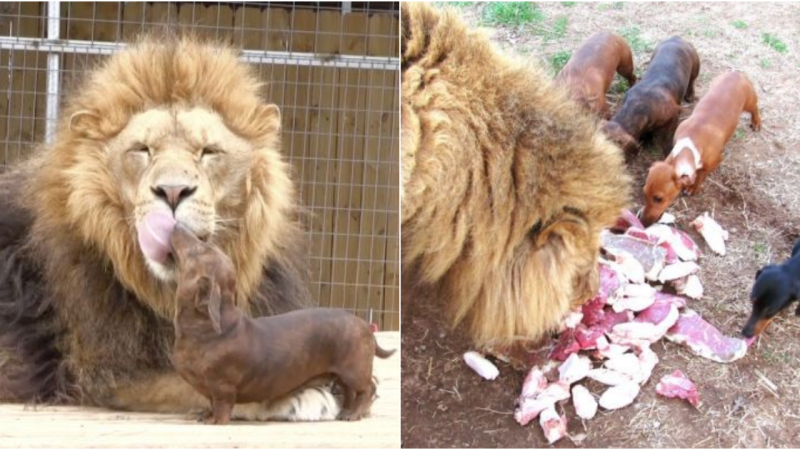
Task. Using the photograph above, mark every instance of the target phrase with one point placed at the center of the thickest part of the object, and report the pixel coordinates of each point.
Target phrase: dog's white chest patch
(682, 168)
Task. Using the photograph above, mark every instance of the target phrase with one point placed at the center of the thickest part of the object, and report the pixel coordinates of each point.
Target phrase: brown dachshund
(699, 141)
(230, 358)
(590, 70)
(651, 107)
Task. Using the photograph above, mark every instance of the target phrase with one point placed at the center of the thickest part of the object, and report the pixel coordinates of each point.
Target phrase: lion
(506, 184)
(172, 123)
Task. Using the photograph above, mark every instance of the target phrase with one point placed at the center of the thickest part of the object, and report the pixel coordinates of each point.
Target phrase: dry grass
(753, 402)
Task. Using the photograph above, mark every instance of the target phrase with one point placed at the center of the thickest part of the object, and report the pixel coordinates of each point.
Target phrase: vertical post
(347, 8)
(53, 70)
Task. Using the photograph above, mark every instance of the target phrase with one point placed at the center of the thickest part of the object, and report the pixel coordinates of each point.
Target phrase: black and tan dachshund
(776, 287)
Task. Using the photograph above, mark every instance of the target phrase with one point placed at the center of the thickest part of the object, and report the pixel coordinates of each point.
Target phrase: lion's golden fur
(506, 183)
(112, 316)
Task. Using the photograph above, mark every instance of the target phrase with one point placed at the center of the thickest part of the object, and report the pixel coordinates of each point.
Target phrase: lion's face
(183, 161)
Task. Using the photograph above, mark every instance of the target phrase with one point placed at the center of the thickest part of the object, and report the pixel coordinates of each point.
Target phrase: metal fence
(331, 67)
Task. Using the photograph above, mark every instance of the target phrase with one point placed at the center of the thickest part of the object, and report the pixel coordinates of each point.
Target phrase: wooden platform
(62, 426)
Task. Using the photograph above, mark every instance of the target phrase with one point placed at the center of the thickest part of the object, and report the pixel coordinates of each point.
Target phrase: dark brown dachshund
(591, 69)
(230, 358)
(653, 105)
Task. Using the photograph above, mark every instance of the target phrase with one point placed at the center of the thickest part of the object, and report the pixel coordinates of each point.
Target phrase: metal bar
(55, 46)
(53, 70)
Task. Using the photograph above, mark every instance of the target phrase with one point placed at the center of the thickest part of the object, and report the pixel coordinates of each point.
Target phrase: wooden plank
(383, 35)
(20, 118)
(217, 22)
(354, 40)
(278, 26)
(328, 36)
(250, 28)
(303, 24)
(81, 427)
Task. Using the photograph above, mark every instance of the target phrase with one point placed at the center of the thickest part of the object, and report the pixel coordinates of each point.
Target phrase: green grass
(765, 63)
(559, 60)
(738, 134)
(634, 37)
(740, 24)
(456, 4)
(560, 27)
(776, 44)
(569, 4)
(511, 14)
(620, 85)
(760, 248)
(606, 6)
(776, 357)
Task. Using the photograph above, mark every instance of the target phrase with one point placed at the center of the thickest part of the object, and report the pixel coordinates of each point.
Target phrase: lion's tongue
(155, 231)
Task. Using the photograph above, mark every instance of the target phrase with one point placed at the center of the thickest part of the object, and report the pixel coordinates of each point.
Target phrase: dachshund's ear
(797, 311)
(215, 306)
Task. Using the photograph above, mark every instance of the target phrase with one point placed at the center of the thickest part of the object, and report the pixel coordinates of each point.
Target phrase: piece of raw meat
(481, 365)
(572, 319)
(584, 402)
(678, 241)
(647, 254)
(677, 385)
(626, 220)
(640, 233)
(689, 286)
(649, 326)
(677, 270)
(565, 346)
(574, 369)
(627, 364)
(704, 339)
(662, 297)
(609, 377)
(666, 218)
(635, 297)
(530, 407)
(647, 362)
(609, 281)
(619, 396)
(606, 350)
(712, 232)
(553, 425)
(534, 384)
(593, 311)
(628, 267)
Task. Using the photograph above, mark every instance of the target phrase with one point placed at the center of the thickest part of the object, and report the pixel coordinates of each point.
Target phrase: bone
(574, 369)
(534, 384)
(690, 287)
(553, 425)
(619, 396)
(667, 219)
(635, 297)
(481, 365)
(530, 407)
(712, 232)
(677, 270)
(609, 377)
(683, 246)
(584, 402)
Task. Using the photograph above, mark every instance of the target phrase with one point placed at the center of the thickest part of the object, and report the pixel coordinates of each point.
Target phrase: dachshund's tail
(381, 353)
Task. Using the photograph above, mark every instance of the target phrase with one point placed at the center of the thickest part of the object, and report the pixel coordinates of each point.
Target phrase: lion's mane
(506, 183)
(79, 311)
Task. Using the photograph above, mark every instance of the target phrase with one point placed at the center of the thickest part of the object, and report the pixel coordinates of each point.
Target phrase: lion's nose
(173, 194)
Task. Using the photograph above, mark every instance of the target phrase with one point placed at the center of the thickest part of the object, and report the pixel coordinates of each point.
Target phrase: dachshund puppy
(590, 70)
(653, 105)
(776, 287)
(230, 358)
(699, 142)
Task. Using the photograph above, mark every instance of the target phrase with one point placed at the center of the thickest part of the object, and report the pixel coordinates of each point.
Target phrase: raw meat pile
(608, 339)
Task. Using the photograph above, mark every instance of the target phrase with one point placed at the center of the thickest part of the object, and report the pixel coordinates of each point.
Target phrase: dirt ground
(753, 402)
(73, 427)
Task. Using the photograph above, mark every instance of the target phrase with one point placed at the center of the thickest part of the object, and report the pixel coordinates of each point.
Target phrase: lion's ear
(567, 227)
(84, 123)
(269, 116)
